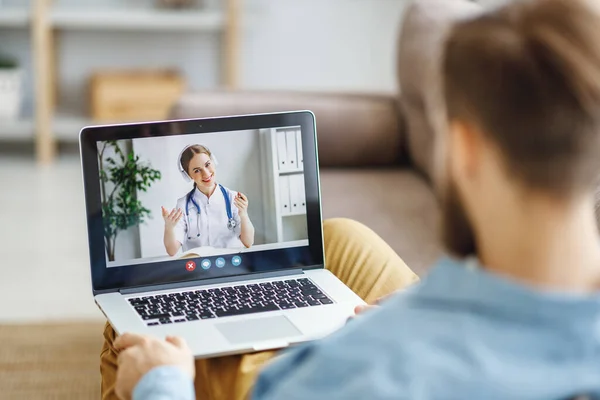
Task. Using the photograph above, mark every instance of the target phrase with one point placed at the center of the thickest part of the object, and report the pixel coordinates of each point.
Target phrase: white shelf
(140, 19)
(67, 126)
(14, 17)
(294, 214)
(46, 18)
(292, 171)
(281, 192)
(21, 129)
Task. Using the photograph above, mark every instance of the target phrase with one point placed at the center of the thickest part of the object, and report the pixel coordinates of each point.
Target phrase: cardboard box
(134, 95)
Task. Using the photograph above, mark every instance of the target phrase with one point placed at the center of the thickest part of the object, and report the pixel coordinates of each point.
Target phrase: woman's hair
(190, 152)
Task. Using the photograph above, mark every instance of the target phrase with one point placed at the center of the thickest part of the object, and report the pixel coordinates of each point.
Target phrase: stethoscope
(231, 224)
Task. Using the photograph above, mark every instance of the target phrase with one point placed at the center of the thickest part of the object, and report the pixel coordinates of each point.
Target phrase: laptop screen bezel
(106, 280)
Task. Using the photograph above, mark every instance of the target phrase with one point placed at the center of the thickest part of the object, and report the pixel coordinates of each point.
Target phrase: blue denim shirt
(461, 333)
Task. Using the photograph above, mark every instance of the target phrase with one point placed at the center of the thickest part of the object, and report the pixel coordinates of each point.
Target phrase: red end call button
(190, 266)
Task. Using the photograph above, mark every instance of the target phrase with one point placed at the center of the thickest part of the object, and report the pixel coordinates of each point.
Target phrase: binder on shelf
(295, 200)
(290, 139)
(297, 194)
(284, 194)
(302, 193)
(299, 149)
(282, 159)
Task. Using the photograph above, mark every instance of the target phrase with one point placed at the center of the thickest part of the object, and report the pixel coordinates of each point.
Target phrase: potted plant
(122, 175)
(11, 78)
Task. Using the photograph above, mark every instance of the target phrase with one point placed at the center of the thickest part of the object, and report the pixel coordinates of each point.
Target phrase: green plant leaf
(120, 209)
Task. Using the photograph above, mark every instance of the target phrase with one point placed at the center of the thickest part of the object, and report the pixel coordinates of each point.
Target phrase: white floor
(44, 269)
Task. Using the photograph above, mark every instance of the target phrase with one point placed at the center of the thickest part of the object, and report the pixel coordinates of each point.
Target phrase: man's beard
(457, 232)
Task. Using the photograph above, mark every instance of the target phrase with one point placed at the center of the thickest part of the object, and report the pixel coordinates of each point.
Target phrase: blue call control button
(236, 260)
(205, 264)
(220, 262)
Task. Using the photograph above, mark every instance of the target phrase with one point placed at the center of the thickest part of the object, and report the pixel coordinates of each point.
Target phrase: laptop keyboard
(228, 301)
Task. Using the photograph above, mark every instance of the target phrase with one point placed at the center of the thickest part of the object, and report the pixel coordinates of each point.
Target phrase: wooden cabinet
(134, 95)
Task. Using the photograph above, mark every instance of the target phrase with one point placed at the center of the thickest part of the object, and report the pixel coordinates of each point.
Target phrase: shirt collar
(198, 195)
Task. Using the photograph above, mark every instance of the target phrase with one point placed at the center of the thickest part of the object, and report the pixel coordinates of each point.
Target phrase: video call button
(190, 266)
(236, 260)
(220, 262)
(205, 264)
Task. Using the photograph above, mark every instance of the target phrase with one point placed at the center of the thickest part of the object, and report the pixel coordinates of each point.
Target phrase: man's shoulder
(397, 326)
(427, 315)
(388, 348)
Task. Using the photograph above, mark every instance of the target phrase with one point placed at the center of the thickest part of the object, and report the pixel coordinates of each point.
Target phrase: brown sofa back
(353, 130)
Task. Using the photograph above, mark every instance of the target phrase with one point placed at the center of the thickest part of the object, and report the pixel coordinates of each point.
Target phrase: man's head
(522, 93)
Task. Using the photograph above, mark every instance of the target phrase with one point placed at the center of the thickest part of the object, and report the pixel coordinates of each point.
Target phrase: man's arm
(165, 383)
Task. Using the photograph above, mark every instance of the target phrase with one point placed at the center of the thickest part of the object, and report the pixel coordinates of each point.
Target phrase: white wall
(345, 45)
(239, 156)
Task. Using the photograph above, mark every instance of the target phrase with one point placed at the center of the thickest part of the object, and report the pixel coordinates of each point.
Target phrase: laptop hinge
(213, 281)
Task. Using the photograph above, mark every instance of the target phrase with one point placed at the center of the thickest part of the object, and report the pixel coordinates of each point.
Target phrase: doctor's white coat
(212, 222)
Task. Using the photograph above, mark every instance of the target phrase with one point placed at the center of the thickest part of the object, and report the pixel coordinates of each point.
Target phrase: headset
(231, 224)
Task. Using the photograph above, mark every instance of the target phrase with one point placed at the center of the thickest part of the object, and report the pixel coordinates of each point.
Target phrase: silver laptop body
(244, 333)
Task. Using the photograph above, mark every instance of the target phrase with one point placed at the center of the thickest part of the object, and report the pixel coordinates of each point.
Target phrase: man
(516, 313)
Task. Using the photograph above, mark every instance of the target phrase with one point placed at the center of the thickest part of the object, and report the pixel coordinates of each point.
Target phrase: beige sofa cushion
(420, 46)
(397, 204)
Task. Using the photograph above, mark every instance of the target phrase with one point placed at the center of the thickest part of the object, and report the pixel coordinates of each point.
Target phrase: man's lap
(353, 252)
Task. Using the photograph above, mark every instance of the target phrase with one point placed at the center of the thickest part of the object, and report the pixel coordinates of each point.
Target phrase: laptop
(211, 229)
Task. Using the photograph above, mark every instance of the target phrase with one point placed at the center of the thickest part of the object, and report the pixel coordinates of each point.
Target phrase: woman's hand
(246, 229)
(241, 202)
(171, 218)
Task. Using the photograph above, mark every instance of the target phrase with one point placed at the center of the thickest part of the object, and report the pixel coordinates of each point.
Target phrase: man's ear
(465, 145)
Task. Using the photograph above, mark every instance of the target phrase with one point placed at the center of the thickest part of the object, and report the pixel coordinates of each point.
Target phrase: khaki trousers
(353, 252)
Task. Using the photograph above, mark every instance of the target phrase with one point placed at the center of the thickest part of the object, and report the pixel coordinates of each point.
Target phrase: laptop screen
(200, 205)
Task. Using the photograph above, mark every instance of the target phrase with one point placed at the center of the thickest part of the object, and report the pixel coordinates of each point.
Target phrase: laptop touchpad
(258, 329)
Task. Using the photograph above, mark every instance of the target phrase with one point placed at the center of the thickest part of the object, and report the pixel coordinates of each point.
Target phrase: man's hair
(528, 76)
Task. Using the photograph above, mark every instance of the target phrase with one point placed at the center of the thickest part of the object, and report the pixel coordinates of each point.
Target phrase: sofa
(376, 152)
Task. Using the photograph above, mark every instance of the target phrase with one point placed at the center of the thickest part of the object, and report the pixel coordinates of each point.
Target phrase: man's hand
(362, 308)
(140, 354)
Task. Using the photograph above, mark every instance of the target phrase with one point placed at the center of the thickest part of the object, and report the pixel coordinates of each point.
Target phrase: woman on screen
(208, 215)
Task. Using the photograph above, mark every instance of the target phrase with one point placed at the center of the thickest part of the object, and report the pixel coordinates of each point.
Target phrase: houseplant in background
(122, 175)
(11, 78)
